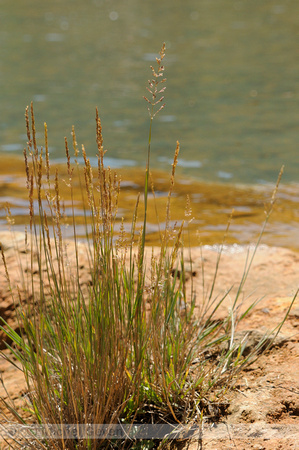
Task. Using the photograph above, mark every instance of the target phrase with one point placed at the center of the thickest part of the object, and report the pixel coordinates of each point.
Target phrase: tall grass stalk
(129, 347)
(156, 98)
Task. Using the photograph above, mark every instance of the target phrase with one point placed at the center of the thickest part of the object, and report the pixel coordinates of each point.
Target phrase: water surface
(205, 208)
(232, 89)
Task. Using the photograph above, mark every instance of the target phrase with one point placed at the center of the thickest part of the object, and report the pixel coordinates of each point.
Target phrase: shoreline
(11, 162)
(211, 205)
(273, 270)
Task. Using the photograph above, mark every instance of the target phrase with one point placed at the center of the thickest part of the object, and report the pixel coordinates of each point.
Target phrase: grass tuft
(129, 347)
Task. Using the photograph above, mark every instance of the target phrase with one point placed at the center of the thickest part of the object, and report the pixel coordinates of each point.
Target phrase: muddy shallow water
(205, 207)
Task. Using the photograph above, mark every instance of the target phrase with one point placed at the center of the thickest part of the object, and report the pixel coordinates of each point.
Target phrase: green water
(232, 88)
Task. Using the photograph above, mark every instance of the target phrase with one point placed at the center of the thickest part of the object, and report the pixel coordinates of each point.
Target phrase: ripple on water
(11, 147)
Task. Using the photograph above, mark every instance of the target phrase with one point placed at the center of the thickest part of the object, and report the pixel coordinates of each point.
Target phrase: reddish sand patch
(263, 410)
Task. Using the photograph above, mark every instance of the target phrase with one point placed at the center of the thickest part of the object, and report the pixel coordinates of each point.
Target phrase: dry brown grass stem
(31, 201)
(75, 145)
(33, 129)
(39, 173)
(99, 136)
(46, 226)
(26, 168)
(68, 159)
(273, 198)
(28, 126)
(174, 164)
(47, 154)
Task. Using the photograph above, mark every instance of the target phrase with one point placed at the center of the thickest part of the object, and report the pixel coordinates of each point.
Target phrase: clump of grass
(129, 348)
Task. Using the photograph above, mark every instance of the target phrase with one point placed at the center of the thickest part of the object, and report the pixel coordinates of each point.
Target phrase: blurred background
(232, 82)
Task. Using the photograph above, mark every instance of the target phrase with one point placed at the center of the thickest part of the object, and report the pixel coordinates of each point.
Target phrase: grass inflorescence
(129, 347)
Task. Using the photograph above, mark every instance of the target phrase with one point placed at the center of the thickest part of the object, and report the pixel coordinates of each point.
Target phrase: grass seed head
(33, 129)
(154, 85)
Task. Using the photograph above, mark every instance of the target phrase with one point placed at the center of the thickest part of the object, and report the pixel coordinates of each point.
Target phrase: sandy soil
(263, 410)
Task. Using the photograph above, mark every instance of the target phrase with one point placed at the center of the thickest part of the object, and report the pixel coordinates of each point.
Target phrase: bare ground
(263, 410)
